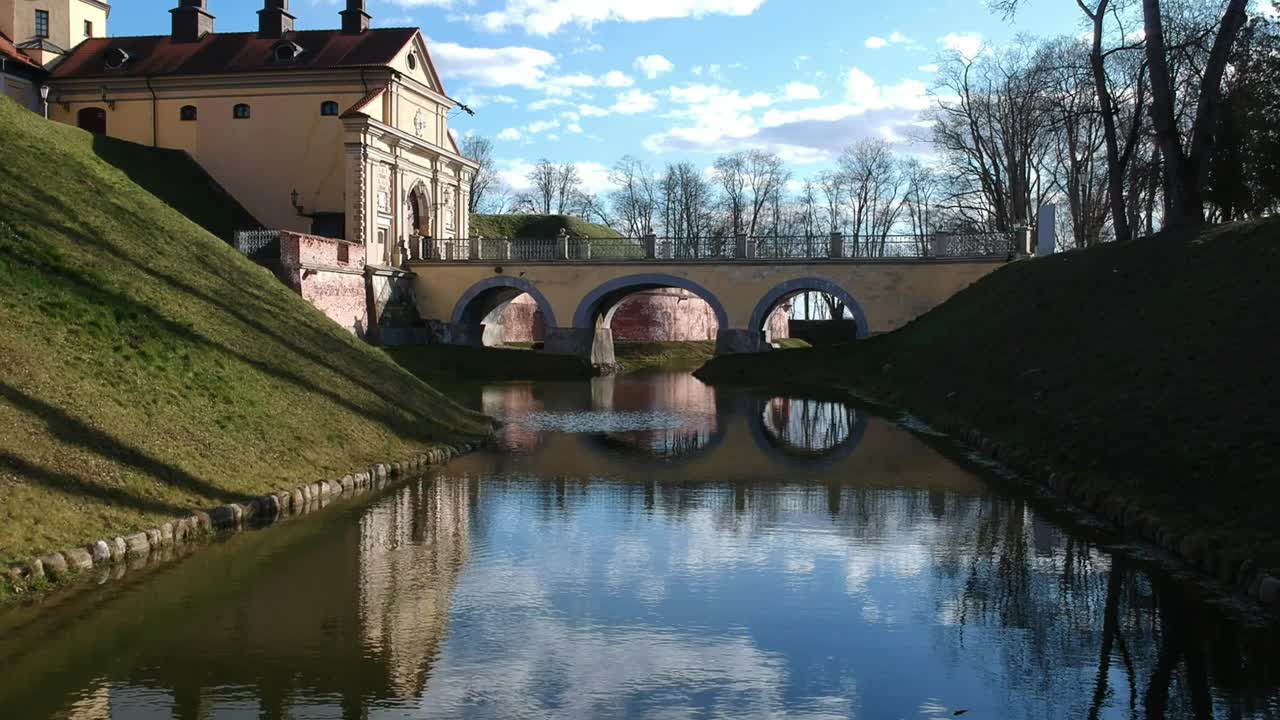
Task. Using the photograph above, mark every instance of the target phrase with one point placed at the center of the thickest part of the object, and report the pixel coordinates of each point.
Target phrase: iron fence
(721, 248)
(257, 244)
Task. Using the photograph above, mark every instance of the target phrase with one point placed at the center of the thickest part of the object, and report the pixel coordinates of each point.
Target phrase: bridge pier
(592, 344)
(738, 342)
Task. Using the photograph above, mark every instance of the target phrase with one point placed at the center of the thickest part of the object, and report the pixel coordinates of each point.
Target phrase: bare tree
(636, 200)
(990, 126)
(484, 181)
(750, 181)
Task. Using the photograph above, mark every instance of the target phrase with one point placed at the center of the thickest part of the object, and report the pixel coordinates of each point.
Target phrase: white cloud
(541, 126)
(721, 120)
(966, 45)
(592, 111)
(801, 91)
(634, 102)
(875, 42)
(493, 67)
(930, 68)
(546, 17)
(653, 65)
(510, 135)
(617, 79)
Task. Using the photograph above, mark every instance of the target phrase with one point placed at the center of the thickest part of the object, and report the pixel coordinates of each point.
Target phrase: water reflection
(563, 579)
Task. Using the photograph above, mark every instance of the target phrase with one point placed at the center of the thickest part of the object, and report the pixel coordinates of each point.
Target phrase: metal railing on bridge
(836, 247)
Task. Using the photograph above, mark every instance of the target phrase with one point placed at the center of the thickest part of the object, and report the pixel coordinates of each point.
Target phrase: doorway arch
(92, 120)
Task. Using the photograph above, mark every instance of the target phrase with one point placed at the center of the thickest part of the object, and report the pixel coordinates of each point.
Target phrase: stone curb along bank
(114, 553)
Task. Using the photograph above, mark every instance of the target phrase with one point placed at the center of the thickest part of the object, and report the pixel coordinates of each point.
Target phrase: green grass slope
(1147, 370)
(536, 227)
(149, 369)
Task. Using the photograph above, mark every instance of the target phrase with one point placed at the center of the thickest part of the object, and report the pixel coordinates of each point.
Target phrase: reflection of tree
(1155, 654)
(809, 425)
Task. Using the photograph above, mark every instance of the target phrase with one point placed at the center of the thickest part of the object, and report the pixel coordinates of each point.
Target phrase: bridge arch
(601, 302)
(847, 438)
(484, 302)
(791, 288)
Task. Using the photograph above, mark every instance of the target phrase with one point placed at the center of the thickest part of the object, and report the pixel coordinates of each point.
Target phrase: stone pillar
(738, 342)
(650, 246)
(562, 245)
(474, 248)
(577, 342)
(740, 246)
(469, 335)
(836, 249)
(1047, 232)
(602, 355)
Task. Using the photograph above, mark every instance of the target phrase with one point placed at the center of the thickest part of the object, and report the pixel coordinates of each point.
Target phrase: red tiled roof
(358, 107)
(13, 54)
(218, 53)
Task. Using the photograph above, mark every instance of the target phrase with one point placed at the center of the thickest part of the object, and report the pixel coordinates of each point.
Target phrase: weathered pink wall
(667, 315)
(329, 274)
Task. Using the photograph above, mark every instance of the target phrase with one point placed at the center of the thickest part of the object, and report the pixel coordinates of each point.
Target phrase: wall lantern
(44, 100)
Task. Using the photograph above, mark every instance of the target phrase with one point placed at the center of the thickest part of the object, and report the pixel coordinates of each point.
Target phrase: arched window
(329, 108)
(240, 112)
(188, 113)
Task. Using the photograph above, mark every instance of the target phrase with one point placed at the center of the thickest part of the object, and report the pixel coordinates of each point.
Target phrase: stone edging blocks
(143, 545)
(1239, 573)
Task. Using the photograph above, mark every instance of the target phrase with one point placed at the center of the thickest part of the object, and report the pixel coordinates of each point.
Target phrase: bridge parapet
(808, 249)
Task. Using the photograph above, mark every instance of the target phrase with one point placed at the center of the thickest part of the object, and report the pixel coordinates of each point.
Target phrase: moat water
(648, 547)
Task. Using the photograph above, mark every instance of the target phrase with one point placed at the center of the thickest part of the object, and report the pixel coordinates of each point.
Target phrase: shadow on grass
(178, 180)
(352, 361)
(74, 432)
(82, 488)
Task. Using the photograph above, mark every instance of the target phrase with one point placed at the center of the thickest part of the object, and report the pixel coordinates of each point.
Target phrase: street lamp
(44, 98)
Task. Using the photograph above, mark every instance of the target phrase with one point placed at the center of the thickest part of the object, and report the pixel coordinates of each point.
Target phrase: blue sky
(588, 81)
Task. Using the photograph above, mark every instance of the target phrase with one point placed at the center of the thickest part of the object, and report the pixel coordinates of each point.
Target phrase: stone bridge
(579, 290)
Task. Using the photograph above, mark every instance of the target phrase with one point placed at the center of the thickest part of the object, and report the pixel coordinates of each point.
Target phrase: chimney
(274, 19)
(191, 20)
(354, 19)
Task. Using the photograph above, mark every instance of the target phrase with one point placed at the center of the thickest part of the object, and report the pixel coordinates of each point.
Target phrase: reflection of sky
(605, 611)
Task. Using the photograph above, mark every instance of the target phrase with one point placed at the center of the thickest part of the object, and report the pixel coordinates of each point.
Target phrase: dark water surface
(650, 548)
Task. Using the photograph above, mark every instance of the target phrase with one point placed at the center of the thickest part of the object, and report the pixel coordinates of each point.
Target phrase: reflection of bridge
(578, 292)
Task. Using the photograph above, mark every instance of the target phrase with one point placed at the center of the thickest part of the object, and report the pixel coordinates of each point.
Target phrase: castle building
(342, 133)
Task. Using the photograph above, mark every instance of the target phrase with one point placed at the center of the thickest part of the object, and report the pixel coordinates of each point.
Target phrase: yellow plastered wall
(66, 20)
(284, 145)
(891, 294)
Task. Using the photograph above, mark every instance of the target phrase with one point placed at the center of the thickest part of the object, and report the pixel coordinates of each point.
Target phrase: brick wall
(329, 274)
(668, 315)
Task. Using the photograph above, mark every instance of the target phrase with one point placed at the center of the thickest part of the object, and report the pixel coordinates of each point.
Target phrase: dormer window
(117, 58)
(286, 52)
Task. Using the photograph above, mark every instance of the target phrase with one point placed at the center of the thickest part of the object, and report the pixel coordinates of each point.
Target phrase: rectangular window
(42, 23)
(88, 28)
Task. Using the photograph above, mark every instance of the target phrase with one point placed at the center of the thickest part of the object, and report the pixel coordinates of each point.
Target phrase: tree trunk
(1115, 164)
(1184, 173)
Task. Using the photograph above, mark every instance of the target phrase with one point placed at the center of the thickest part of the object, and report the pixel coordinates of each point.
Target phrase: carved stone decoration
(384, 189)
(419, 123)
(448, 208)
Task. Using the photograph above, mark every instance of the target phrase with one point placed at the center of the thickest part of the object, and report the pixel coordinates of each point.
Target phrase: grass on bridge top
(537, 227)
(150, 370)
(1145, 369)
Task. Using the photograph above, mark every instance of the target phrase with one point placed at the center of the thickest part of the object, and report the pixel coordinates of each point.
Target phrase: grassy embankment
(149, 369)
(1143, 371)
(536, 227)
